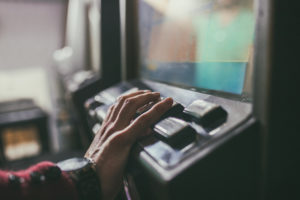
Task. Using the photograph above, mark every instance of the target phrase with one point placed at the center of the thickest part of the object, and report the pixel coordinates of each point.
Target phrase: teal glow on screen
(197, 43)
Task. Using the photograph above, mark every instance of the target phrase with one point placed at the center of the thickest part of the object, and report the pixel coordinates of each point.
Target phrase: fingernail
(147, 90)
(169, 101)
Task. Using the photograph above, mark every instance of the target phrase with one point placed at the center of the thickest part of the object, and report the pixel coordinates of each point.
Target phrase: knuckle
(121, 99)
(129, 102)
(149, 96)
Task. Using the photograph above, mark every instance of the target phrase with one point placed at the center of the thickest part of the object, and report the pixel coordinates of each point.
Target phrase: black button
(35, 177)
(91, 104)
(207, 114)
(53, 173)
(175, 132)
(175, 111)
(14, 180)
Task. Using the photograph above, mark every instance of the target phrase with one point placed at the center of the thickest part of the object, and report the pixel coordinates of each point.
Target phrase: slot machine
(218, 61)
(207, 143)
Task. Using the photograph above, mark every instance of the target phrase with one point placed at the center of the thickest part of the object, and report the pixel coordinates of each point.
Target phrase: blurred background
(48, 48)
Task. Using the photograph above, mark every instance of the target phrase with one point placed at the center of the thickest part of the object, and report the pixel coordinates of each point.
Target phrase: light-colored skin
(111, 145)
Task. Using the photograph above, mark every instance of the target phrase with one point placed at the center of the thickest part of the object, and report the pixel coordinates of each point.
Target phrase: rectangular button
(163, 154)
(132, 90)
(174, 111)
(207, 114)
(101, 112)
(92, 104)
(176, 132)
(104, 98)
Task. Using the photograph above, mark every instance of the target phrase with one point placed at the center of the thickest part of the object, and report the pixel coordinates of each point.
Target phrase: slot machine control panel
(184, 126)
(194, 126)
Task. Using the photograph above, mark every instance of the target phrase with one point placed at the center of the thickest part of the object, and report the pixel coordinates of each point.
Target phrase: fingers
(122, 113)
(143, 122)
(128, 111)
(121, 101)
(109, 114)
(131, 105)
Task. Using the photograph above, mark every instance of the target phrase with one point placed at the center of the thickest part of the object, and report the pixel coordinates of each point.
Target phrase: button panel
(178, 132)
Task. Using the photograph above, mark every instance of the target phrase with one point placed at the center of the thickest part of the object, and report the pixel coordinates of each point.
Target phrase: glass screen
(204, 44)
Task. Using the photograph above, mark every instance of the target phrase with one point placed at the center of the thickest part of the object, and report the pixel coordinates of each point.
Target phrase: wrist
(83, 173)
(101, 174)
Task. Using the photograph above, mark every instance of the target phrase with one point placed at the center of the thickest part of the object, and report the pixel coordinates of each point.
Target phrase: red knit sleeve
(43, 181)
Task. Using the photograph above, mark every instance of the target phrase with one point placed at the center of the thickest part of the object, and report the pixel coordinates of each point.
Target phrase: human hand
(111, 145)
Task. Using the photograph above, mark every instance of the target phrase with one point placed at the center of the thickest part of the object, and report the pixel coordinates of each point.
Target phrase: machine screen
(203, 44)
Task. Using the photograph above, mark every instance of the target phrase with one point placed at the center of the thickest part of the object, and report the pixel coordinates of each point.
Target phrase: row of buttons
(175, 134)
(173, 128)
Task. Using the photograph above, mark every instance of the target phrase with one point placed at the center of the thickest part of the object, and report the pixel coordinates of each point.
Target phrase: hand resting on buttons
(120, 129)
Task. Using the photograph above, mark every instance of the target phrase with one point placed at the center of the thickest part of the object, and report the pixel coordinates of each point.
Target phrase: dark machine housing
(215, 144)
